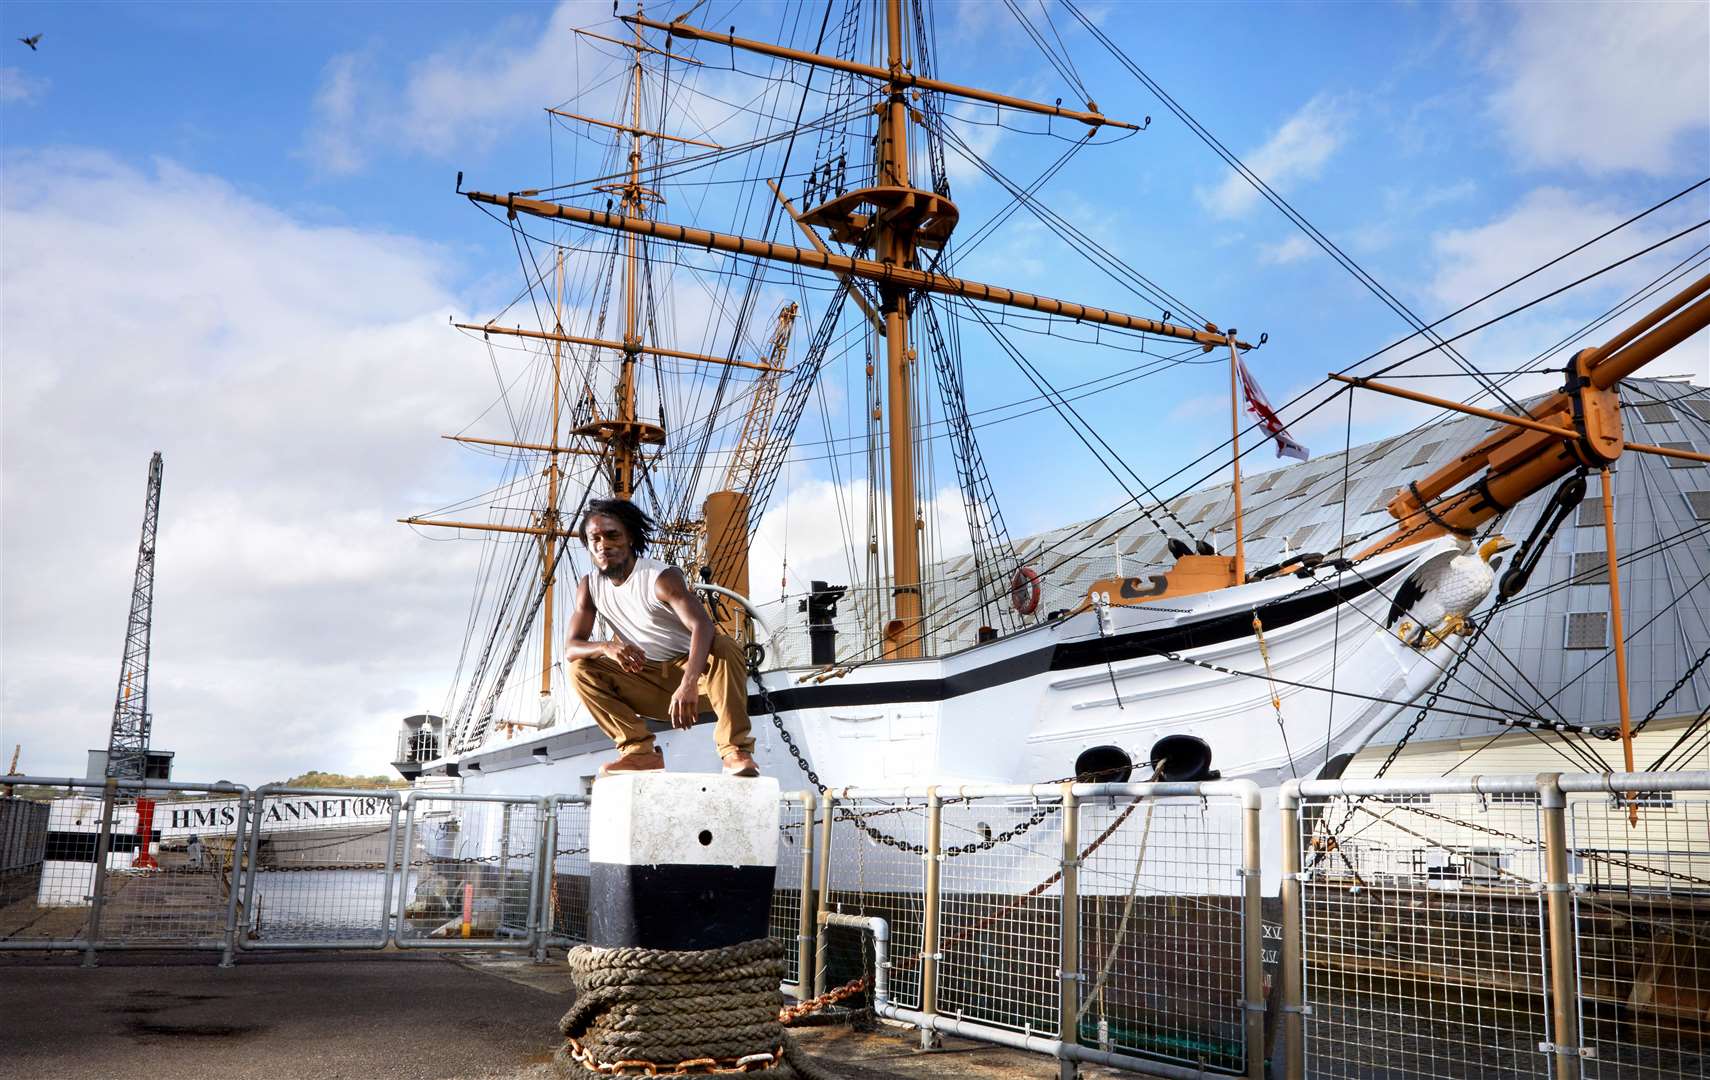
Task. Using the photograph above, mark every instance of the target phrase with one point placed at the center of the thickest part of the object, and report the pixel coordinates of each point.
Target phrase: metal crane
(127, 745)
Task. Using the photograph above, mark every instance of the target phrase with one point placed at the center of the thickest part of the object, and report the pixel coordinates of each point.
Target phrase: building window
(1298, 540)
(1334, 496)
(1700, 406)
(1268, 482)
(1590, 512)
(1699, 501)
(1655, 414)
(1424, 455)
(1384, 499)
(1681, 463)
(1378, 451)
(1590, 568)
(1586, 630)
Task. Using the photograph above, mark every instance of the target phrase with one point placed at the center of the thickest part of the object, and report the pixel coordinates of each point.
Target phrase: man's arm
(672, 590)
(578, 647)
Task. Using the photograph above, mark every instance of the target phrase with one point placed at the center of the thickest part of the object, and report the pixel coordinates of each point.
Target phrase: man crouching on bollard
(664, 652)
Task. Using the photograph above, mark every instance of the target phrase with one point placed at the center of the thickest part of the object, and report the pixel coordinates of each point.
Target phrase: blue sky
(229, 233)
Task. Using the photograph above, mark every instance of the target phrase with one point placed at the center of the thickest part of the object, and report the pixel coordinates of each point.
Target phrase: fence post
(234, 880)
(1252, 933)
(805, 909)
(103, 843)
(391, 869)
(546, 864)
(929, 954)
(824, 891)
(1069, 955)
(1564, 1044)
(1291, 967)
(407, 807)
(252, 869)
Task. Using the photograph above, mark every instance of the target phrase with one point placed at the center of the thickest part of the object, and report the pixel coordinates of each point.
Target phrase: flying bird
(1440, 595)
(31, 41)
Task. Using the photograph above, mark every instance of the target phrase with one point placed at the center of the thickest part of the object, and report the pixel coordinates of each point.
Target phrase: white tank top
(637, 614)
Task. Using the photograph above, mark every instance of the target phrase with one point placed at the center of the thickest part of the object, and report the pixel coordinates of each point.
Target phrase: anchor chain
(859, 820)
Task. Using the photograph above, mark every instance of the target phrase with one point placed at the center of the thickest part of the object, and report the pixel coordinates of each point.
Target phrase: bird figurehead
(1489, 548)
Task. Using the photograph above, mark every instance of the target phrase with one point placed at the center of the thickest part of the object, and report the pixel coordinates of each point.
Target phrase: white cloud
(464, 96)
(1606, 86)
(18, 87)
(294, 378)
(817, 528)
(1545, 223)
(1297, 151)
(1291, 249)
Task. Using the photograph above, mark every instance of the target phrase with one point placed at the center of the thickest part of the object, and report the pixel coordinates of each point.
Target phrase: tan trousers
(619, 699)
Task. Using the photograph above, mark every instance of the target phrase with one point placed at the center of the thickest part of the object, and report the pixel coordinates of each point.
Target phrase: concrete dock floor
(343, 1015)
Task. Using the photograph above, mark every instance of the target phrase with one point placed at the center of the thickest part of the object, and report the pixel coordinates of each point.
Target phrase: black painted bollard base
(677, 906)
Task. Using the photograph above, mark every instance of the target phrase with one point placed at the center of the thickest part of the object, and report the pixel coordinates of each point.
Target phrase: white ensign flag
(1267, 416)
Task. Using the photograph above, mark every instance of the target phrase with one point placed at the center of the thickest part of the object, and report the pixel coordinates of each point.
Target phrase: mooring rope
(661, 1012)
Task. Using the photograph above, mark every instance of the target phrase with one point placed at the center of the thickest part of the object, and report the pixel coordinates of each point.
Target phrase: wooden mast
(624, 446)
(886, 224)
(549, 542)
(1235, 458)
(900, 219)
(895, 247)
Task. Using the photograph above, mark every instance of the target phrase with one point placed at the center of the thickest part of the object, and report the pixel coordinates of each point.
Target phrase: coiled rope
(661, 1012)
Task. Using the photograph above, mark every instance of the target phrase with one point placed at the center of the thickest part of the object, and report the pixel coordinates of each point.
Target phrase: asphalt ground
(309, 1016)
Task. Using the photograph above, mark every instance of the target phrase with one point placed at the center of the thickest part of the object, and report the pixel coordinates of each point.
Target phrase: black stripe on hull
(1068, 655)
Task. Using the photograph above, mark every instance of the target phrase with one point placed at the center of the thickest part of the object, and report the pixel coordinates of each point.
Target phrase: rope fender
(662, 1012)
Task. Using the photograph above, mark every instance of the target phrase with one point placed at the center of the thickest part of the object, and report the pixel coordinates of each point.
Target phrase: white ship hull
(1022, 709)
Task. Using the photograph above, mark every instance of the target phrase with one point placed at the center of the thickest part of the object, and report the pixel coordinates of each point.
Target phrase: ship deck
(315, 1015)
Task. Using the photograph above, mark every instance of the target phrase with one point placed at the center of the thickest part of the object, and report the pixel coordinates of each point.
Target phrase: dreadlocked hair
(632, 517)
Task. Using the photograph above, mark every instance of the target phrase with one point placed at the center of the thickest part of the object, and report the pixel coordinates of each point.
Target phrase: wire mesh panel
(320, 868)
(1422, 925)
(169, 873)
(470, 879)
(52, 873)
(784, 922)
(1000, 911)
(1642, 912)
(567, 892)
(877, 867)
(1161, 929)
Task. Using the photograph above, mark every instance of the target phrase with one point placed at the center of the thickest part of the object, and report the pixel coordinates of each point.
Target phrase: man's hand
(626, 656)
(685, 705)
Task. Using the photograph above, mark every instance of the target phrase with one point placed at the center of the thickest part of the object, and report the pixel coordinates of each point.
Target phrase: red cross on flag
(1268, 419)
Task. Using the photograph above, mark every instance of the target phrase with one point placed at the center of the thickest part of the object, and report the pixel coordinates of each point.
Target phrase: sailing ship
(928, 670)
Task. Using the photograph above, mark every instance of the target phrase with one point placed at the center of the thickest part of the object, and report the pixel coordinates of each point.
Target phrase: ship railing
(1529, 926)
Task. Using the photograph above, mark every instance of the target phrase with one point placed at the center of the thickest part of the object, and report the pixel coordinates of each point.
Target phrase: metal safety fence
(1549, 926)
(125, 865)
(1116, 924)
(476, 880)
(320, 868)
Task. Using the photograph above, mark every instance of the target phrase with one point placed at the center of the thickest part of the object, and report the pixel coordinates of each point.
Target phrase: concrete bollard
(681, 860)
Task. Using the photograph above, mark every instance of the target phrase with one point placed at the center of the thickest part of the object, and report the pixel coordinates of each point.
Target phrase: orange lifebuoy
(1024, 590)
